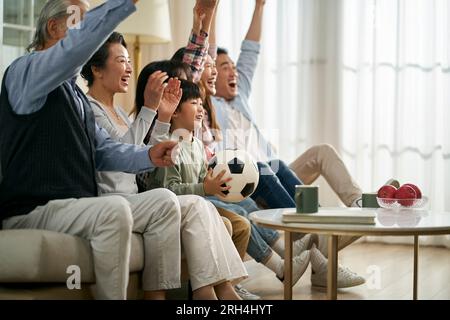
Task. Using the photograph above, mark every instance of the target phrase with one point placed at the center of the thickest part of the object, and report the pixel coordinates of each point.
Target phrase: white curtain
(394, 106)
(294, 85)
(294, 94)
(371, 77)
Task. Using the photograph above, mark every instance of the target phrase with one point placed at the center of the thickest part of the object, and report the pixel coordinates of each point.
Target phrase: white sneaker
(245, 294)
(319, 264)
(345, 278)
(302, 244)
(299, 265)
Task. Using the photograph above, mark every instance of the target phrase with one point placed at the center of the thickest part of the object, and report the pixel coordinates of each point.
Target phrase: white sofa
(33, 265)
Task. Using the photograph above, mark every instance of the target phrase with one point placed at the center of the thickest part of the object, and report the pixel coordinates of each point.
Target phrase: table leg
(416, 266)
(287, 265)
(332, 267)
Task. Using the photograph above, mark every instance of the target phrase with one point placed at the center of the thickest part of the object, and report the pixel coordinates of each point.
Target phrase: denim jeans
(260, 238)
(276, 184)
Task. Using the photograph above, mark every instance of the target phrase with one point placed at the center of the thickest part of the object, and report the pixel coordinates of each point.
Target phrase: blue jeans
(260, 238)
(276, 184)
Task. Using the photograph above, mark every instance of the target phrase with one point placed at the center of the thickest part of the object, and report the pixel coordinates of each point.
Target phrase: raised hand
(203, 14)
(154, 89)
(255, 30)
(199, 16)
(215, 185)
(170, 100)
(207, 4)
(164, 154)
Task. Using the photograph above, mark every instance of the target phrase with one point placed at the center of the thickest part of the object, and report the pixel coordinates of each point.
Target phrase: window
(17, 22)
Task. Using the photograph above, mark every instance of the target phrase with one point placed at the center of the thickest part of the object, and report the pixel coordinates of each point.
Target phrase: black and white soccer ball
(241, 167)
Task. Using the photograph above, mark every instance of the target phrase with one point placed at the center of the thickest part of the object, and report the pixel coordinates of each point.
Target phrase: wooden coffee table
(388, 223)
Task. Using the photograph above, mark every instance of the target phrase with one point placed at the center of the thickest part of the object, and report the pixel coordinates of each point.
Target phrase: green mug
(369, 200)
(307, 198)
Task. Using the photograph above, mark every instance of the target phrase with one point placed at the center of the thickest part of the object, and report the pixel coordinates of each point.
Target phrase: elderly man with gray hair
(50, 149)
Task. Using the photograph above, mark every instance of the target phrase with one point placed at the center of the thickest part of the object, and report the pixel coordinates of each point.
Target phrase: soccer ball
(240, 166)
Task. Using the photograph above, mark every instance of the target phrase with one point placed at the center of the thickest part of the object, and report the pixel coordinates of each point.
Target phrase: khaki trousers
(323, 160)
(241, 229)
(205, 243)
(107, 222)
(211, 255)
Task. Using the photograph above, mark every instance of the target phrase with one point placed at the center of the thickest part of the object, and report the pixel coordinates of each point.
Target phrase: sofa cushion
(44, 256)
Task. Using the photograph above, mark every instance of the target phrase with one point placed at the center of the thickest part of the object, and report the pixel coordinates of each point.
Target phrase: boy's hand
(154, 89)
(164, 154)
(170, 100)
(215, 185)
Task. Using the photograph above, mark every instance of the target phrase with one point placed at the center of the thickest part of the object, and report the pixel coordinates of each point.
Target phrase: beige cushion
(43, 256)
(59, 291)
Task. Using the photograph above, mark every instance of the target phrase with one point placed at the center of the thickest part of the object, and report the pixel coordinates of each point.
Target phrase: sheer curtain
(394, 106)
(371, 77)
(294, 94)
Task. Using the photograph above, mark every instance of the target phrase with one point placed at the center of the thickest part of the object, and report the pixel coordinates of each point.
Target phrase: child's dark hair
(172, 68)
(178, 56)
(221, 50)
(100, 57)
(190, 91)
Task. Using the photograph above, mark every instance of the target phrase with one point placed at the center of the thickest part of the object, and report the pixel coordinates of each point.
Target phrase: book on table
(332, 216)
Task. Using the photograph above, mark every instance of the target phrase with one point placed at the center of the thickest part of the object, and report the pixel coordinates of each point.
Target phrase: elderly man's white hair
(53, 9)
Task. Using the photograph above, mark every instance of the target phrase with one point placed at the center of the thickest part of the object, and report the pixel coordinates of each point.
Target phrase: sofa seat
(39, 256)
(33, 265)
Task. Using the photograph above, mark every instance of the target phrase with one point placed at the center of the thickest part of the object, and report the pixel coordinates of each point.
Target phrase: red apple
(387, 192)
(416, 189)
(405, 195)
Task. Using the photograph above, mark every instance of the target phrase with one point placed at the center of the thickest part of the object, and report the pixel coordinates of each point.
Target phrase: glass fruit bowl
(388, 203)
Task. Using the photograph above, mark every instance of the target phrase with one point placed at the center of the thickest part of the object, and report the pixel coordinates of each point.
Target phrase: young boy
(190, 176)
